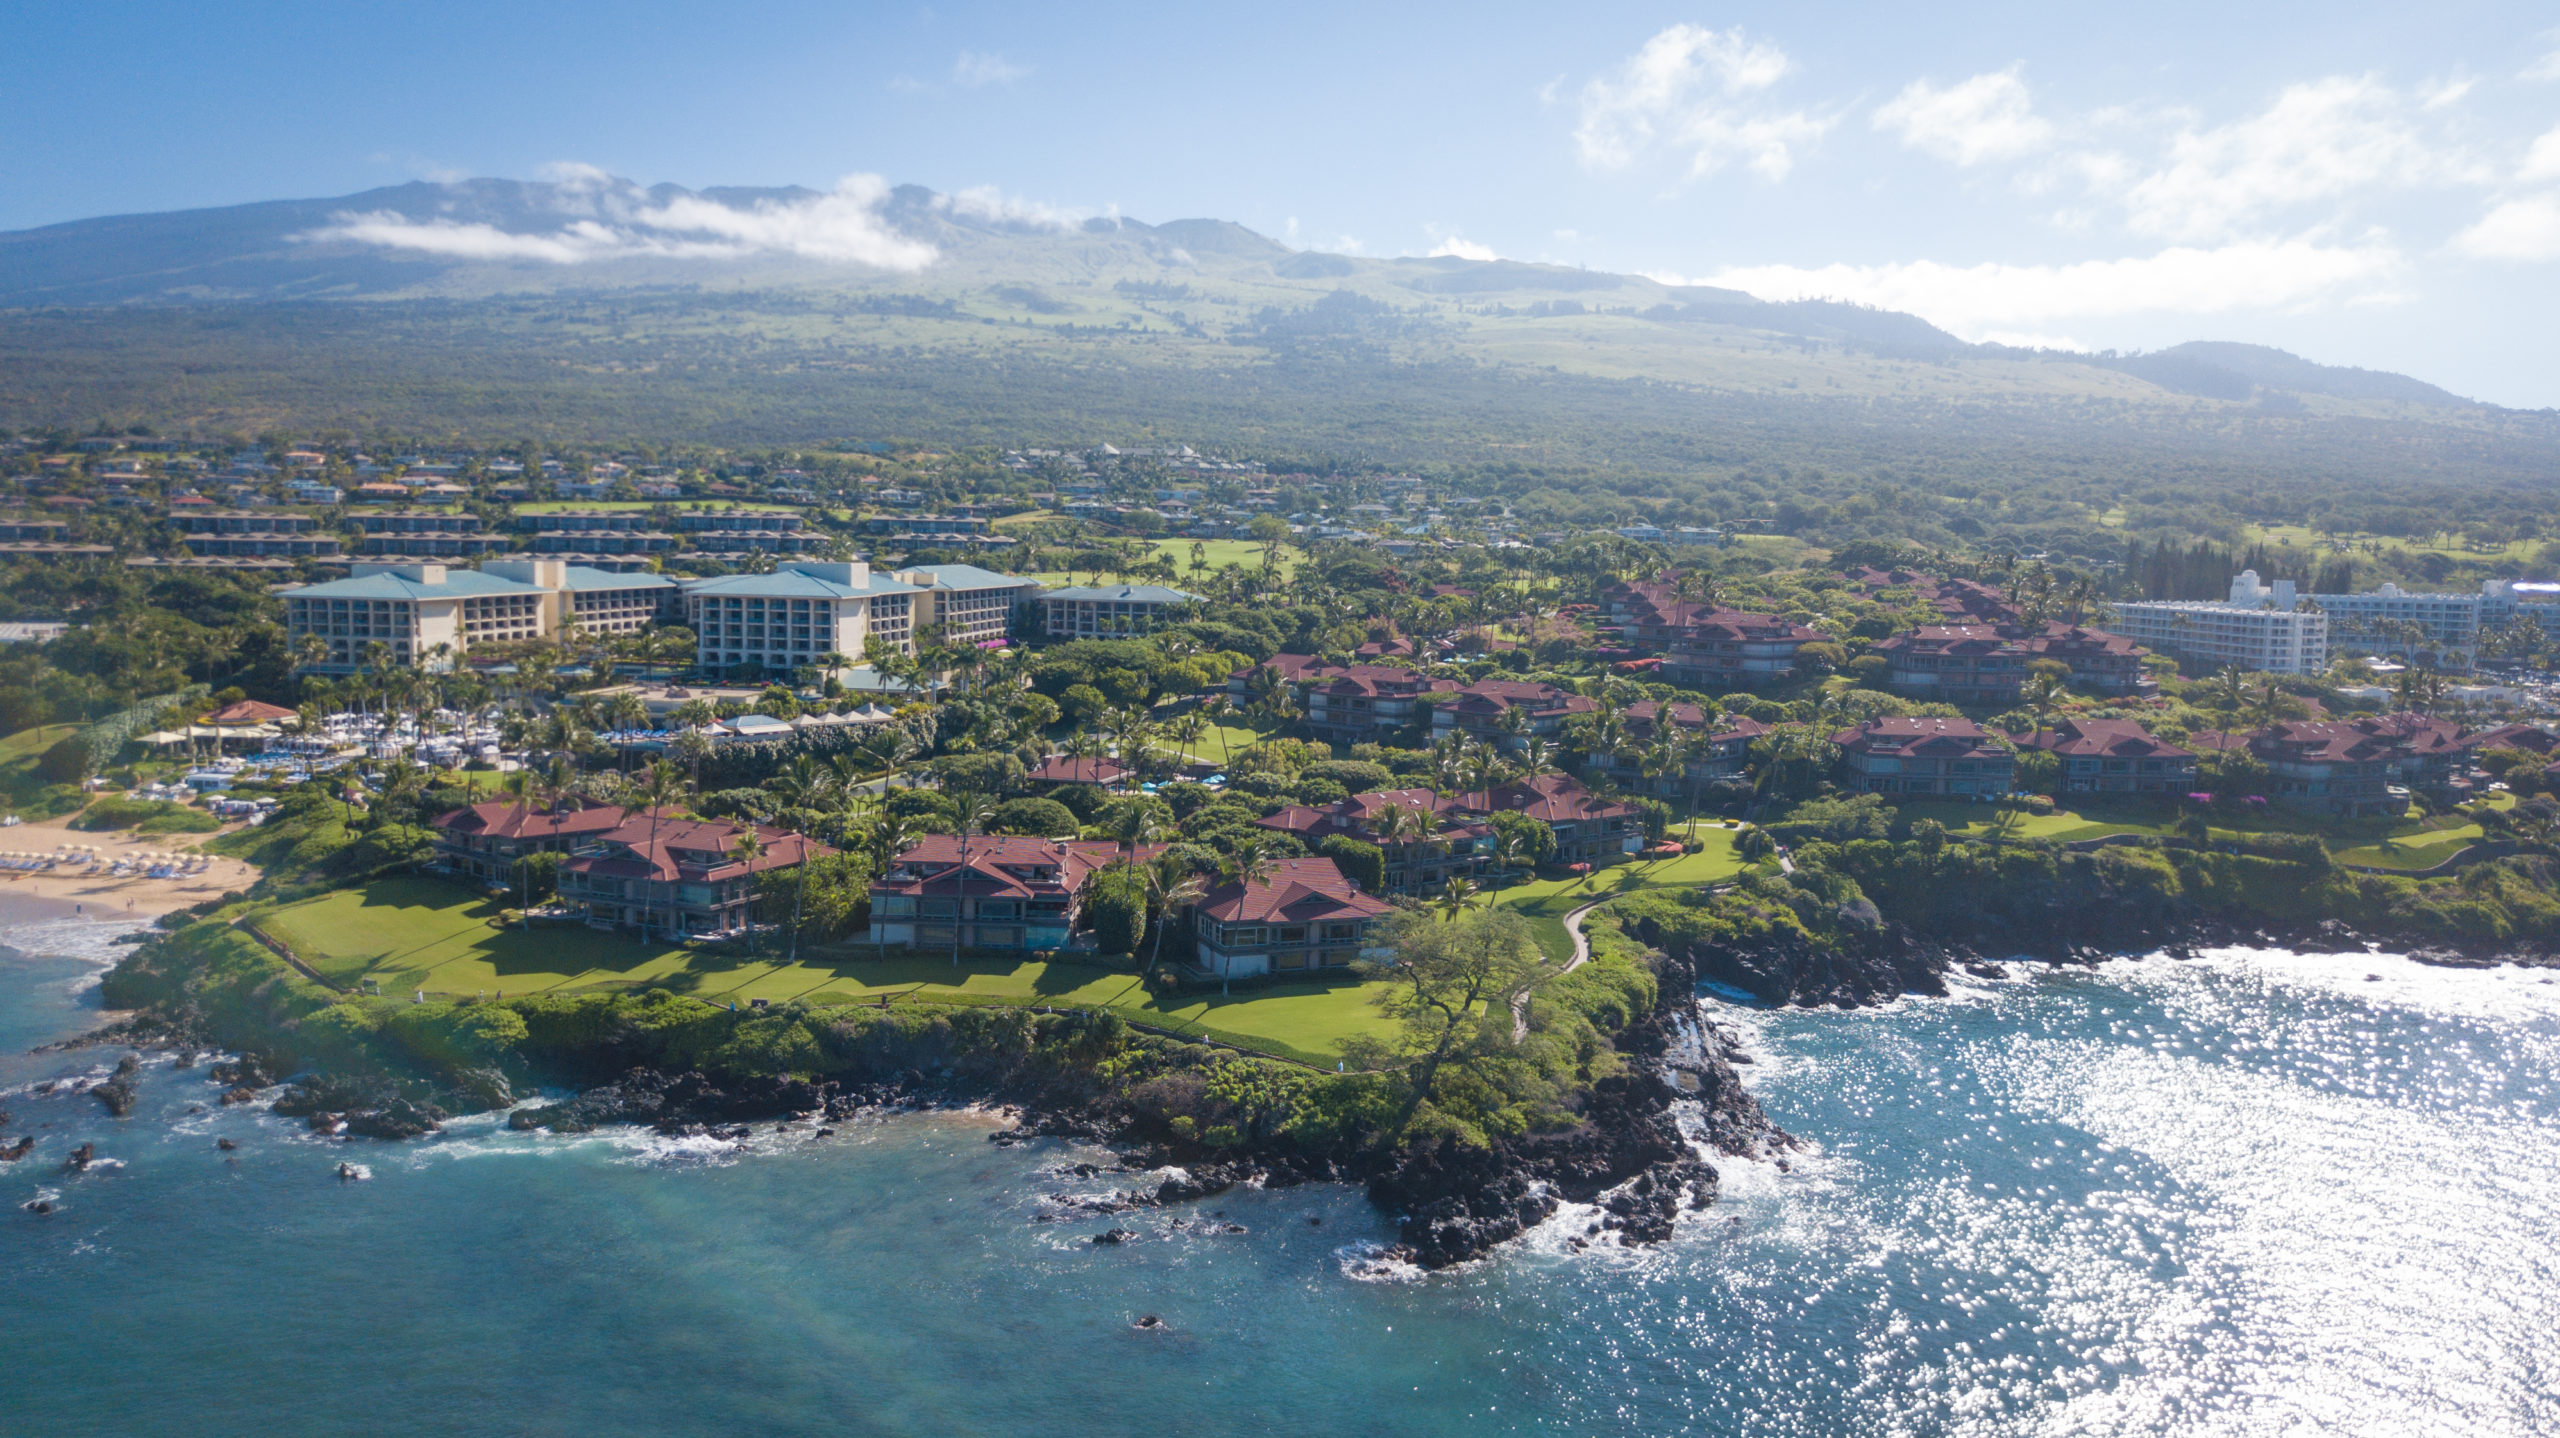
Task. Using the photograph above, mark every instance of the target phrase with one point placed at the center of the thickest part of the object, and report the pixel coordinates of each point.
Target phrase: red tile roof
(1003, 866)
(1298, 891)
(2105, 738)
(1930, 738)
(517, 819)
(1069, 769)
(1548, 798)
(2532, 738)
(250, 711)
(671, 847)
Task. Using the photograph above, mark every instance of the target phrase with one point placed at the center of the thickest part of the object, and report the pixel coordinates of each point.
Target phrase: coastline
(136, 898)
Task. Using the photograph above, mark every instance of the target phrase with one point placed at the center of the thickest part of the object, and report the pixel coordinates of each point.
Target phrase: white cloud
(575, 175)
(2322, 140)
(842, 226)
(1988, 117)
(2527, 229)
(986, 202)
(2546, 68)
(975, 68)
(1978, 301)
(2542, 162)
(1464, 249)
(1695, 91)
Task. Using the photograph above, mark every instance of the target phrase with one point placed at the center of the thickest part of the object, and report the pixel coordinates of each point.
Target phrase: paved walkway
(1581, 955)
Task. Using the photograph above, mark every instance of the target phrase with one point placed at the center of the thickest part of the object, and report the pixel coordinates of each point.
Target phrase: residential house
(1449, 844)
(1714, 748)
(2115, 756)
(1588, 829)
(1509, 712)
(1988, 664)
(1951, 758)
(667, 874)
(485, 841)
(2332, 769)
(1304, 916)
(1360, 702)
(2531, 738)
(1008, 892)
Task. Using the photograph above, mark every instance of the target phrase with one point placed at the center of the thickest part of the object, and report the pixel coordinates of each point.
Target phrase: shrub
(1356, 776)
(1116, 904)
(1044, 818)
(1363, 863)
(117, 812)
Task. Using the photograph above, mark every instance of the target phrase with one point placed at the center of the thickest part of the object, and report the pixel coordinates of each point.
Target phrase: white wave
(1369, 1261)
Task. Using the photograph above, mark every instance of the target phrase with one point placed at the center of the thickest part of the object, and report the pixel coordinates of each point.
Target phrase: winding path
(1581, 955)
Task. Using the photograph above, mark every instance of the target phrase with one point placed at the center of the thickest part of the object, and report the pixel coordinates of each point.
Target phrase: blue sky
(2365, 184)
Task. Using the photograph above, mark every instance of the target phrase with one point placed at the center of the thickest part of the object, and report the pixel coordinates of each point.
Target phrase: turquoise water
(2257, 1194)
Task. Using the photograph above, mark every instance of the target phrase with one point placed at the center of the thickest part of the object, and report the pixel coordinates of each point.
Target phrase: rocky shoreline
(1890, 961)
(1630, 1155)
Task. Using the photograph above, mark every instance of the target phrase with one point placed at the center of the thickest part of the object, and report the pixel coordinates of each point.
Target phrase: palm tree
(1248, 866)
(1456, 896)
(1169, 887)
(748, 848)
(522, 784)
(659, 787)
(1138, 824)
(2044, 694)
(890, 835)
(310, 651)
(975, 810)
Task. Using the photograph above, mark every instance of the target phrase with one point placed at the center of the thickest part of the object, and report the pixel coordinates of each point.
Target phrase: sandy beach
(102, 896)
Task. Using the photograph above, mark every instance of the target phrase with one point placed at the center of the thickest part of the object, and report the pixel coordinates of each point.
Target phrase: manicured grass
(1219, 553)
(1218, 742)
(413, 934)
(2061, 824)
(29, 743)
(1545, 902)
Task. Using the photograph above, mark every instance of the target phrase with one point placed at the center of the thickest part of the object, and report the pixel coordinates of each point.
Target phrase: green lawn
(2062, 824)
(1219, 554)
(1218, 742)
(2411, 843)
(413, 934)
(29, 743)
(1545, 902)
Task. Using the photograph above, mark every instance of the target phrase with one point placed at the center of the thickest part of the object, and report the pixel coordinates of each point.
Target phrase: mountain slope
(594, 309)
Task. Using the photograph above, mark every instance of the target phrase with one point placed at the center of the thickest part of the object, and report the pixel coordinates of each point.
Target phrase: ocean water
(2253, 1194)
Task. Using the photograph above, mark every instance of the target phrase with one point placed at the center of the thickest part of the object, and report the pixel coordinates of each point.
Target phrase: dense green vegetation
(1985, 457)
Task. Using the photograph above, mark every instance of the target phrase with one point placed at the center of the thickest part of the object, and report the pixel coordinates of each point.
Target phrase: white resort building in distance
(1092, 613)
(2257, 628)
(965, 604)
(793, 617)
(2369, 623)
(427, 613)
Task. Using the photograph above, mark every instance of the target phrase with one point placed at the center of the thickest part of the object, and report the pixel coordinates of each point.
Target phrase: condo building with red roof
(664, 873)
(2115, 756)
(1951, 758)
(1444, 843)
(998, 892)
(485, 841)
(1304, 915)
